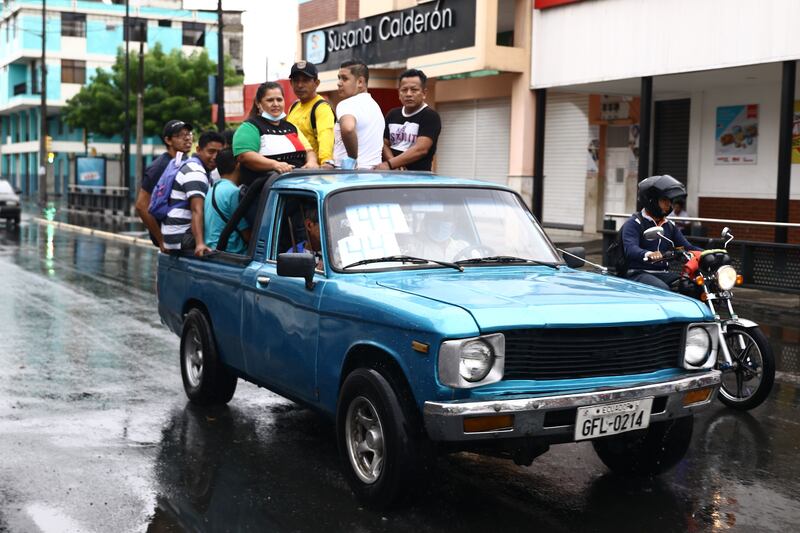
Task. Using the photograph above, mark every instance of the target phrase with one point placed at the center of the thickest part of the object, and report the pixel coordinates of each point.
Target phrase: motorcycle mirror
(725, 231)
(654, 233)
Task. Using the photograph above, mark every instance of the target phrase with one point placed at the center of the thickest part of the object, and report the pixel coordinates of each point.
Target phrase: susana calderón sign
(421, 30)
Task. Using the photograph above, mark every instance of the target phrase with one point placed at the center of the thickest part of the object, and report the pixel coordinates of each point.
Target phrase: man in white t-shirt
(358, 133)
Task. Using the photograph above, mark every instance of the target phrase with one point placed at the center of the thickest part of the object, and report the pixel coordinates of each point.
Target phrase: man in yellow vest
(311, 114)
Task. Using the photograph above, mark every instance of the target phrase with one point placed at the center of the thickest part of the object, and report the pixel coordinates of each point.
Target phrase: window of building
(35, 78)
(73, 71)
(235, 49)
(194, 34)
(138, 28)
(73, 24)
(163, 23)
(505, 23)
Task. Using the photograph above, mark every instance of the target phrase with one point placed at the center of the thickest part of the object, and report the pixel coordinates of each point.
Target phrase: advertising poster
(796, 134)
(91, 171)
(736, 140)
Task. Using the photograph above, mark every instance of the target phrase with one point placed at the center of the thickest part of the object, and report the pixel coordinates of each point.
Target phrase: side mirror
(654, 233)
(725, 232)
(574, 257)
(300, 265)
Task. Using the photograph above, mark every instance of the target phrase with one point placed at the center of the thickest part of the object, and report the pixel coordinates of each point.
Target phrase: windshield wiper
(504, 259)
(404, 259)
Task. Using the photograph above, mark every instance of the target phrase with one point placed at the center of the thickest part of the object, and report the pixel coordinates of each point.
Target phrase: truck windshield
(486, 226)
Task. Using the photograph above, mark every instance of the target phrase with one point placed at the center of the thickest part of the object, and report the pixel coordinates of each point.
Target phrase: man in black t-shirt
(177, 137)
(409, 140)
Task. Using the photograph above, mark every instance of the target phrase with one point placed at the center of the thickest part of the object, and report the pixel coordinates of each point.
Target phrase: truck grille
(591, 352)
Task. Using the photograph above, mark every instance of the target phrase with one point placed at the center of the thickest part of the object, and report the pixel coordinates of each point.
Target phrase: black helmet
(656, 187)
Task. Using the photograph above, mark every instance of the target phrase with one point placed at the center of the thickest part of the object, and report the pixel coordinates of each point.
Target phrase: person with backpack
(220, 204)
(643, 258)
(311, 113)
(177, 137)
(179, 196)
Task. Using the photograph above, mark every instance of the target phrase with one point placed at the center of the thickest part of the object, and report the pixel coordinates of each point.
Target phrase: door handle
(262, 280)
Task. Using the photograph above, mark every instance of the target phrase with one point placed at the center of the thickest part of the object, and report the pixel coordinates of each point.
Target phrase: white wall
(736, 181)
(603, 40)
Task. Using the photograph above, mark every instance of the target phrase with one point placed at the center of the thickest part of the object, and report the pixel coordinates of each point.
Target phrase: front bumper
(10, 211)
(553, 417)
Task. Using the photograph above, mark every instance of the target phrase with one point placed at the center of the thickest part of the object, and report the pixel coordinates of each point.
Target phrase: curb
(145, 243)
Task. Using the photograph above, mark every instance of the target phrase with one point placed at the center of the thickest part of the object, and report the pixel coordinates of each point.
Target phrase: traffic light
(51, 157)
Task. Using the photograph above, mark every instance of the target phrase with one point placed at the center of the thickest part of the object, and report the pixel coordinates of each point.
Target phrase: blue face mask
(272, 118)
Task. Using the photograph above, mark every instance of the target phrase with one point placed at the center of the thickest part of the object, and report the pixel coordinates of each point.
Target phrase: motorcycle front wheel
(748, 384)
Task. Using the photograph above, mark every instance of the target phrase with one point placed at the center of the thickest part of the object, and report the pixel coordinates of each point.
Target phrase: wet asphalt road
(96, 434)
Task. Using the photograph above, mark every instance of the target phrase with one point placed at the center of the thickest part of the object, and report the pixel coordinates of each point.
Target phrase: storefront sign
(736, 140)
(398, 35)
(91, 171)
(545, 4)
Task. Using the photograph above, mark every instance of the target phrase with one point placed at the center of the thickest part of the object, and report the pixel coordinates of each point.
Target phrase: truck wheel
(647, 452)
(379, 446)
(205, 379)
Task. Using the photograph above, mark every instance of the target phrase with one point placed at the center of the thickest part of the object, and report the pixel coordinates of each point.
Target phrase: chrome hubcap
(193, 358)
(364, 434)
(744, 379)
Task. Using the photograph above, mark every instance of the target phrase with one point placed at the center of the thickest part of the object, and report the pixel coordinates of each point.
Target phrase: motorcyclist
(644, 257)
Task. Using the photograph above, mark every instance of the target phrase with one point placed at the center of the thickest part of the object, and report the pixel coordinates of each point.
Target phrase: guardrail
(764, 265)
(93, 199)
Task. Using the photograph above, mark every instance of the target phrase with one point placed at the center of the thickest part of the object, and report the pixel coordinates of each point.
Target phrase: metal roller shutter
(671, 138)
(475, 139)
(566, 141)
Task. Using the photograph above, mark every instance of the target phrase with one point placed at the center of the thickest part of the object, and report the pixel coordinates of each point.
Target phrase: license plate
(611, 418)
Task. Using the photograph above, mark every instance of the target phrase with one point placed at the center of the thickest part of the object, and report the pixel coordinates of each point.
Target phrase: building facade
(81, 37)
(716, 71)
(475, 53)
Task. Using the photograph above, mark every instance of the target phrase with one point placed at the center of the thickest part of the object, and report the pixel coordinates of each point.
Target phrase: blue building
(82, 36)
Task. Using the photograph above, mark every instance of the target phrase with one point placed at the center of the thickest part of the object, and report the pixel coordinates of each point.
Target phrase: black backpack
(615, 253)
(314, 111)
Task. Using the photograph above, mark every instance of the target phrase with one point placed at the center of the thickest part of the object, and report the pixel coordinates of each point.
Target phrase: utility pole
(220, 72)
(43, 115)
(126, 131)
(140, 111)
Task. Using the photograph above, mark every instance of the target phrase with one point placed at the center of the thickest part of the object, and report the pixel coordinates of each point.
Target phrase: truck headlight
(726, 277)
(476, 360)
(700, 351)
(467, 363)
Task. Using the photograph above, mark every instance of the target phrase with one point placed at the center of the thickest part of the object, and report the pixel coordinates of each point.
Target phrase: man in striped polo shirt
(183, 227)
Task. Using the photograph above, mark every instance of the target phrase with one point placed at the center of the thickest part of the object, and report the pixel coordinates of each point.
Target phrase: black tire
(749, 384)
(205, 379)
(368, 399)
(647, 452)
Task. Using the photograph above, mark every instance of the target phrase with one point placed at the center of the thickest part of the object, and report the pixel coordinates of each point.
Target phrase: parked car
(436, 317)
(9, 203)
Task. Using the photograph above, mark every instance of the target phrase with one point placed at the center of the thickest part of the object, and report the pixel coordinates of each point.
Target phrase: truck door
(280, 315)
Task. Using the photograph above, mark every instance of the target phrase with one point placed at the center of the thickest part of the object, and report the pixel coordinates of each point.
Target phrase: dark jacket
(636, 245)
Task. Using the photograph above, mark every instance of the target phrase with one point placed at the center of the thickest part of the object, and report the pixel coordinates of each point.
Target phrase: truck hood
(508, 297)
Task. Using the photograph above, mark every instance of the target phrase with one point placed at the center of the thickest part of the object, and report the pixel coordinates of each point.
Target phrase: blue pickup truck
(426, 314)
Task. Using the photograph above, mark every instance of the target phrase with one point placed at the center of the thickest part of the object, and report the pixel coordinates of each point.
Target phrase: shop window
(73, 24)
(138, 29)
(505, 22)
(73, 71)
(194, 34)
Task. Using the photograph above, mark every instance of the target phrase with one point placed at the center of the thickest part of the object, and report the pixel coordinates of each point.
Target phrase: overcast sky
(270, 35)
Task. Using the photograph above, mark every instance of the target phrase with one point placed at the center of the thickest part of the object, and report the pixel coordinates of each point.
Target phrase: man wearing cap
(177, 137)
(311, 114)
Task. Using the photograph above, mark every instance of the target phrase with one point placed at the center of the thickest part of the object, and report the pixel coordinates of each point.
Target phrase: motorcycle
(746, 358)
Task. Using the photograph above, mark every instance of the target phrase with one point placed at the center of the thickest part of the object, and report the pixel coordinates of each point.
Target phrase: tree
(175, 86)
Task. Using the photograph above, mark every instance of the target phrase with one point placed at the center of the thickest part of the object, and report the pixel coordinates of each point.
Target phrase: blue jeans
(661, 280)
